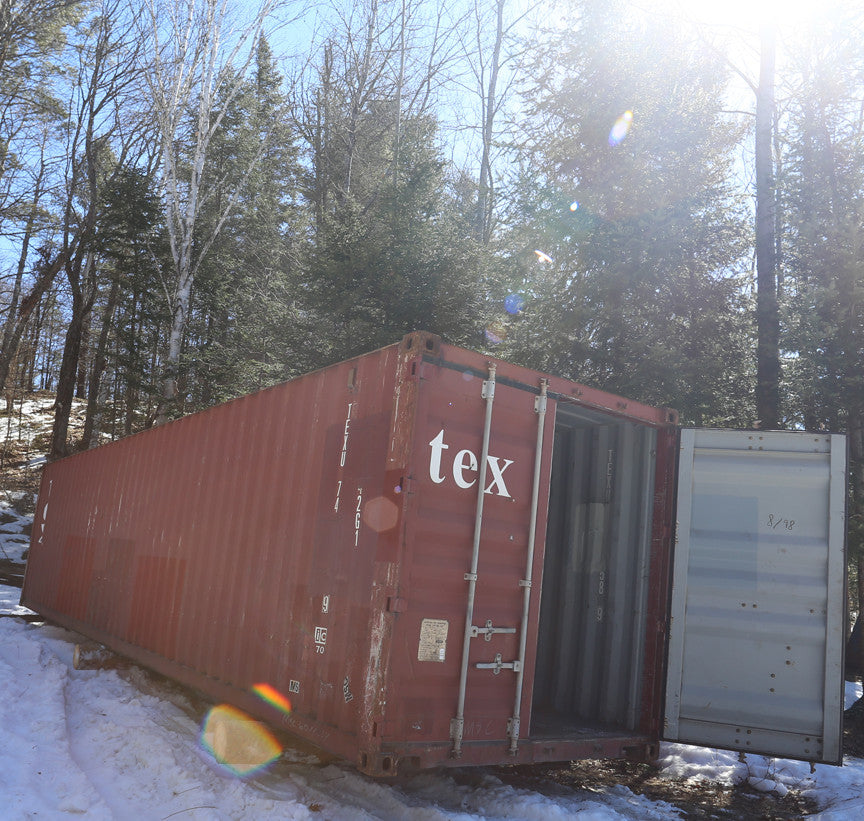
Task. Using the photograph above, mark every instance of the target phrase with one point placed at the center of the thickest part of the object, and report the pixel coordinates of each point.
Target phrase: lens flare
(380, 514)
(621, 128)
(514, 303)
(574, 206)
(239, 743)
(496, 333)
(542, 256)
(273, 697)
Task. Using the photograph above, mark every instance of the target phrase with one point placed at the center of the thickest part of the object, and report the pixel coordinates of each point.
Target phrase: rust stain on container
(314, 540)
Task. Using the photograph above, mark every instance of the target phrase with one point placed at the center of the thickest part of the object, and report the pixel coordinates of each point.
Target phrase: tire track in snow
(41, 776)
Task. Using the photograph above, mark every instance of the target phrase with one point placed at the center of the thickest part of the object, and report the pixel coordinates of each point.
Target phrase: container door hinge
(513, 735)
(497, 666)
(457, 728)
(488, 631)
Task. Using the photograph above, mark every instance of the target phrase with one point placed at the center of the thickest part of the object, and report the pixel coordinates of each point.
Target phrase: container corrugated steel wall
(316, 537)
(223, 549)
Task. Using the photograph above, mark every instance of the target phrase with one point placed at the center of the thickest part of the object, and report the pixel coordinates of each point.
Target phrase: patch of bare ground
(692, 798)
(19, 481)
(853, 730)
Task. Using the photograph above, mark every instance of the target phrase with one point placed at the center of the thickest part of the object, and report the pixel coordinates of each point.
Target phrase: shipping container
(440, 558)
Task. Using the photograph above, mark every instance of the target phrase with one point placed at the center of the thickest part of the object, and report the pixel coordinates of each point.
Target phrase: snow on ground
(33, 416)
(14, 530)
(90, 743)
(104, 744)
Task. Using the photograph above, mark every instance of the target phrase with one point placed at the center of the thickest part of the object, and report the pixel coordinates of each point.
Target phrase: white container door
(758, 600)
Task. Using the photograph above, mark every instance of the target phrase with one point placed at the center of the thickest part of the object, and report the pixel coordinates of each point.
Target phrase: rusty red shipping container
(437, 558)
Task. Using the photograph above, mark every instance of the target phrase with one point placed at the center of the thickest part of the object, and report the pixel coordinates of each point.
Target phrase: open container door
(757, 613)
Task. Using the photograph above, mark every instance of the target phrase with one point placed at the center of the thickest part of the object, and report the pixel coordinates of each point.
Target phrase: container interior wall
(589, 666)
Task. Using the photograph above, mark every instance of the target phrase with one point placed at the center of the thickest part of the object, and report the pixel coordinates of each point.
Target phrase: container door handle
(488, 631)
(497, 666)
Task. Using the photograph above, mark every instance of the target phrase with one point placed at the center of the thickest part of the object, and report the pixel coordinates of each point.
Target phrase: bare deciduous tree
(490, 53)
(102, 135)
(200, 58)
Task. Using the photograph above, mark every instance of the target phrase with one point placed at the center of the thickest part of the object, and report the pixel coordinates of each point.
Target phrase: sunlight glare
(749, 14)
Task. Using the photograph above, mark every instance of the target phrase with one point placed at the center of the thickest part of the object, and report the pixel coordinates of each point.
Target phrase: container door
(757, 612)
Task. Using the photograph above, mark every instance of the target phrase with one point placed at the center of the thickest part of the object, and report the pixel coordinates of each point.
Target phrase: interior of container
(590, 655)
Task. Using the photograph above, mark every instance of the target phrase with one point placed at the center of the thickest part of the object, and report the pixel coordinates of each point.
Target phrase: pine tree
(33, 37)
(392, 256)
(632, 240)
(824, 249)
(391, 250)
(134, 255)
(241, 334)
(99, 141)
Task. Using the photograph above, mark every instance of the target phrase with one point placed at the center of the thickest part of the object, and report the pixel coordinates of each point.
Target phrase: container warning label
(433, 640)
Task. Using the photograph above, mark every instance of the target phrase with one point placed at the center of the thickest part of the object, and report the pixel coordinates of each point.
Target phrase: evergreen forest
(201, 198)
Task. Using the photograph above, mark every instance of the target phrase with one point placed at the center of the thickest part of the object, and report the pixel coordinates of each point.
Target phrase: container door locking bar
(525, 584)
(457, 724)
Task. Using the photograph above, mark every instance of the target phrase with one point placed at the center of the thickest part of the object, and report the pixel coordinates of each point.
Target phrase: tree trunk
(767, 310)
(490, 103)
(77, 270)
(99, 366)
(856, 513)
(859, 649)
(135, 368)
(66, 382)
(175, 343)
(81, 379)
(30, 301)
